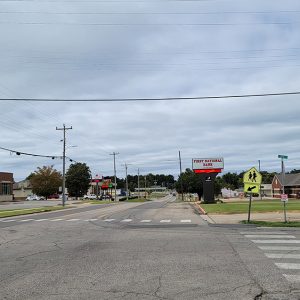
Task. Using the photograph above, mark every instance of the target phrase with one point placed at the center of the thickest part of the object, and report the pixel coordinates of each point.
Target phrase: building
(22, 189)
(266, 190)
(291, 185)
(6, 186)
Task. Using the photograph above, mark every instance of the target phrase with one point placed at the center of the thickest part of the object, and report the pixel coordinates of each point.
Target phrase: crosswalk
(282, 247)
(108, 220)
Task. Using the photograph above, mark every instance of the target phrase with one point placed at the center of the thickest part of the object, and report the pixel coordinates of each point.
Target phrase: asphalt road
(157, 250)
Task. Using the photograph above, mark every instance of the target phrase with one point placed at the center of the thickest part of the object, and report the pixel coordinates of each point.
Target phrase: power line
(152, 99)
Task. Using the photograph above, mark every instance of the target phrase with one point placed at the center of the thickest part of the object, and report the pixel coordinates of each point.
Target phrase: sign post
(284, 197)
(252, 182)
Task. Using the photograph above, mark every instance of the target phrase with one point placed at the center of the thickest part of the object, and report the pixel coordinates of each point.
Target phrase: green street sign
(283, 156)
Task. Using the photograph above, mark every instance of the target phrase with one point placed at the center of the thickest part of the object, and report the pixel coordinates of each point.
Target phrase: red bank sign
(208, 163)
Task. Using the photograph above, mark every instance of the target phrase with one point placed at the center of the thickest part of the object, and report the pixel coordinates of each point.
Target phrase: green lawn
(137, 200)
(26, 211)
(273, 224)
(257, 206)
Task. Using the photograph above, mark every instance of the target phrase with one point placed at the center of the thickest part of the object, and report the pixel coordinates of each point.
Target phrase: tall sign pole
(138, 183)
(180, 175)
(64, 163)
(115, 173)
(284, 197)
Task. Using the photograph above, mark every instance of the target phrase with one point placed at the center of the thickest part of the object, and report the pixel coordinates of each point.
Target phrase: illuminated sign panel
(208, 163)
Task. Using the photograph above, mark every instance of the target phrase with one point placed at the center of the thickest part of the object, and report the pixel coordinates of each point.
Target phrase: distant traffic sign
(284, 198)
(283, 156)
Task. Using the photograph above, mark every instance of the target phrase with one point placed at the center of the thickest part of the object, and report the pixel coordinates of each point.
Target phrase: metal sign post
(249, 209)
(284, 197)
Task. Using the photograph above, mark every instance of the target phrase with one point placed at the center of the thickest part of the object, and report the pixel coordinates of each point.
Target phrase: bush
(125, 198)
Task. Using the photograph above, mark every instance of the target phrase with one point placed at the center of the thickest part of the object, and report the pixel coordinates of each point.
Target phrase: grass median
(258, 206)
(273, 224)
(27, 211)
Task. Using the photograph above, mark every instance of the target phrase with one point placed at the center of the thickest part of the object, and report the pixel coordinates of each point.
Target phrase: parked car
(104, 197)
(35, 198)
(91, 196)
(54, 196)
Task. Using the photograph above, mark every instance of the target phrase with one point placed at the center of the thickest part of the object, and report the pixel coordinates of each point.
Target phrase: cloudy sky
(112, 49)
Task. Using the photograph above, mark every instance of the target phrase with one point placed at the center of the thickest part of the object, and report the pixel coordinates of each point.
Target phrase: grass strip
(97, 201)
(137, 200)
(257, 206)
(27, 211)
(273, 224)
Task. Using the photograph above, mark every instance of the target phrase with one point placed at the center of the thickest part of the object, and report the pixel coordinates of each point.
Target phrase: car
(104, 197)
(54, 196)
(35, 198)
(91, 196)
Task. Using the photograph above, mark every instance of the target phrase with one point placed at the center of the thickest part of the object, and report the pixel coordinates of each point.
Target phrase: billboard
(208, 163)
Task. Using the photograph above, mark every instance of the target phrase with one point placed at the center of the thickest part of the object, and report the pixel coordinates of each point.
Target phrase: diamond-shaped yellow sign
(252, 177)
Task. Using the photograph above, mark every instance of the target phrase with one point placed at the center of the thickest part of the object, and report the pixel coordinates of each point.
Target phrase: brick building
(291, 185)
(6, 186)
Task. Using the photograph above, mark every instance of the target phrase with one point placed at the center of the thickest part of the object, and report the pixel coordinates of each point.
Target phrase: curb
(202, 211)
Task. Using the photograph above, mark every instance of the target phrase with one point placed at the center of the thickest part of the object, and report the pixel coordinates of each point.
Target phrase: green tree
(45, 181)
(78, 179)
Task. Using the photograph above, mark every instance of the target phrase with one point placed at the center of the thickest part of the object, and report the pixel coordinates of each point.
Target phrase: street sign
(252, 176)
(284, 198)
(251, 188)
(208, 163)
(283, 156)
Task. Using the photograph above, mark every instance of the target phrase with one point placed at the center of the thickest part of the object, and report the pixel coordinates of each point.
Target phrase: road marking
(165, 221)
(288, 266)
(292, 278)
(145, 221)
(26, 220)
(41, 220)
(88, 220)
(126, 220)
(276, 241)
(282, 255)
(72, 220)
(109, 220)
(263, 232)
(55, 220)
(185, 221)
(6, 221)
(270, 236)
(280, 248)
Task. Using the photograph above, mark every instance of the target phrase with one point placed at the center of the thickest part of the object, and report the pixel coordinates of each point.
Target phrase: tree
(78, 179)
(45, 181)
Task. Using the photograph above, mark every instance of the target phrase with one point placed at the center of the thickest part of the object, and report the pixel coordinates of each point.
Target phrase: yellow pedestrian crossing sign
(252, 181)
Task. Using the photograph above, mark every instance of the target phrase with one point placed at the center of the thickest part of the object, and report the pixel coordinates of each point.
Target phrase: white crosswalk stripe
(127, 220)
(56, 220)
(109, 220)
(26, 220)
(270, 236)
(41, 220)
(8, 221)
(185, 221)
(72, 220)
(90, 220)
(145, 221)
(165, 221)
(286, 253)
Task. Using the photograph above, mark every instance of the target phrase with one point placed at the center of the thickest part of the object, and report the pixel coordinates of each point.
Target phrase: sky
(114, 49)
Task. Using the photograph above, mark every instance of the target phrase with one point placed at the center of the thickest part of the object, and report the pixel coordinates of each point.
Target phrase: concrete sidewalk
(236, 218)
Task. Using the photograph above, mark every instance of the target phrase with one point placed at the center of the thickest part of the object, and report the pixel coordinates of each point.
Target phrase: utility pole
(145, 187)
(126, 182)
(138, 183)
(64, 163)
(260, 185)
(181, 184)
(115, 173)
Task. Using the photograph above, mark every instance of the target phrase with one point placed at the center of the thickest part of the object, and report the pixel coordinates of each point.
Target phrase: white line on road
(109, 220)
(6, 221)
(279, 248)
(292, 278)
(89, 220)
(288, 266)
(126, 220)
(73, 220)
(56, 220)
(26, 220)
(270, 236)
(282, 255)
(185, 221)
(276, 241)
(263, 232)
(145, 221)
(165, 221)
(41, 220)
